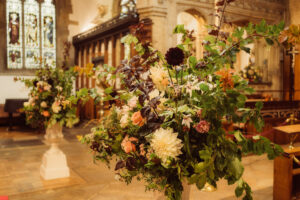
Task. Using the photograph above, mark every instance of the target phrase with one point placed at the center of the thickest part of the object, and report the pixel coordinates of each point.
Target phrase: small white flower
(124, 120)
(153, 94)
(165, 144)
(59, 88)
(44, 104)
(159, 77)
(133, 102)
(40, 83)
(56, 108)
(117, 177)
(191, 86)
(187, 120)
(144, 76)
(47, 87)
(125, 110)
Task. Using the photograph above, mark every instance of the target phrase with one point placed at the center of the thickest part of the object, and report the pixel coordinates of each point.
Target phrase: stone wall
(164, 14)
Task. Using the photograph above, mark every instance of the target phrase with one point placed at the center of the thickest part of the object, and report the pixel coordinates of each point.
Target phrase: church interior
(37, 162)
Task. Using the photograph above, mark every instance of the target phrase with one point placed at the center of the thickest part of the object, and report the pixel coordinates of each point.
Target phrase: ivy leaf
(192, 61)
(205, 155)
(261, 27)
(269, 41)
(259, 105)
(201, 181)
(246, 49)
(193, 179)
(108, 90)
(236, 168)
(239, 191)
(179, 29)
(204, 87)
(199, 167)
(239, 136)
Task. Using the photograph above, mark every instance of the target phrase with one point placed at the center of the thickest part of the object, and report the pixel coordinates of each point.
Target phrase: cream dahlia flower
(166, 144)
(159, 77)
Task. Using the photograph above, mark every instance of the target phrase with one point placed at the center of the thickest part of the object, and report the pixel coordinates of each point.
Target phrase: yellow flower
(79, 137)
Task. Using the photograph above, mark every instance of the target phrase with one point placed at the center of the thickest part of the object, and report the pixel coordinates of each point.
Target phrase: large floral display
(51, 98)
(167, 123)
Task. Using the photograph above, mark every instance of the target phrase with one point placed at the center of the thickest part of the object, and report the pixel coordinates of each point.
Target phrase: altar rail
(275, 114)
(103, 41)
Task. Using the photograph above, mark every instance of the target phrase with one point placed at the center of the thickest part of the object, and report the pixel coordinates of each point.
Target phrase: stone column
(156, 10)
(294, 7)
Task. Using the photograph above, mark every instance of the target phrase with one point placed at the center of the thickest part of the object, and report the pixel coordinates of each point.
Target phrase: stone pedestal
(54, 162)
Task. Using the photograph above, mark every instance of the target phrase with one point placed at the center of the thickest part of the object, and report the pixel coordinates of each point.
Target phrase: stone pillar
(294, 7)
(156, 10)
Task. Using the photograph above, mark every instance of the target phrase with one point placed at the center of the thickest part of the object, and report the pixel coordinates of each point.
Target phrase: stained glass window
(48, 33)
(14, 34)
(127, 6)
(31, 34)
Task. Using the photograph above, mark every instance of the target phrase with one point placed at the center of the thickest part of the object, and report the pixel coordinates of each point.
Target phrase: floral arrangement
(51, 98)
(168, 123)
(252, 73)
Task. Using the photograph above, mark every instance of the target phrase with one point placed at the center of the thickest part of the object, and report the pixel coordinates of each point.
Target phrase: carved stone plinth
(54, 162)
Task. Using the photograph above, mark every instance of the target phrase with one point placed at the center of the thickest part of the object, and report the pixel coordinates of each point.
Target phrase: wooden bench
(286, 175)
(13, 106)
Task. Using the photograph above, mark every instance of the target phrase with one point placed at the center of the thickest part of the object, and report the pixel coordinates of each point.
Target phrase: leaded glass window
(128, 6)
(14, 34)
(38, 42)
(32, 36)
(48, 33)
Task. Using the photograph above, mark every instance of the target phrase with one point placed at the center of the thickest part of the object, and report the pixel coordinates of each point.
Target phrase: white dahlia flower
(166, 144)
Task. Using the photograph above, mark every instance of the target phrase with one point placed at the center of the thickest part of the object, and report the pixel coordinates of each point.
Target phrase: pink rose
(127, 144)
(202, 126)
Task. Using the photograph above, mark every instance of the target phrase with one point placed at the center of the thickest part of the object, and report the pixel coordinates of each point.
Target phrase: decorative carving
(104, 29)
(102, 11)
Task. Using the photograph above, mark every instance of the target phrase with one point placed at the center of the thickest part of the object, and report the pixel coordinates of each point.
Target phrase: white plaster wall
(11, 89)
(84, 12)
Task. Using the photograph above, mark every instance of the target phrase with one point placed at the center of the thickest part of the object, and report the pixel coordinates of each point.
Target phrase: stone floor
(20, 159)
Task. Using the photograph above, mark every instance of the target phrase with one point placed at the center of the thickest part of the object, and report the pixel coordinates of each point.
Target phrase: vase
(54, 162)
(54, 132)
(184, 196)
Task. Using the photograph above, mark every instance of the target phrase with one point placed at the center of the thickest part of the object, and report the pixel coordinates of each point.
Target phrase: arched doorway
(193, 20)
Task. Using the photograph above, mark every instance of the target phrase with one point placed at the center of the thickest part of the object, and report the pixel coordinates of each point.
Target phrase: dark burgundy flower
(175, 56)
(35, 83)
(50, 81)
(95, 146)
